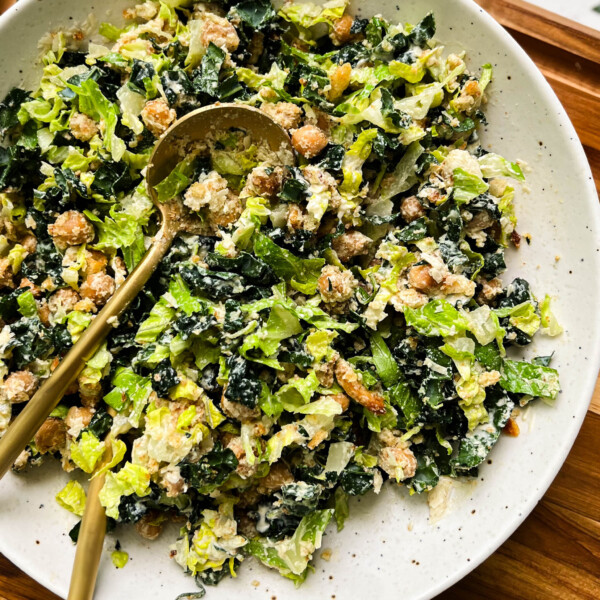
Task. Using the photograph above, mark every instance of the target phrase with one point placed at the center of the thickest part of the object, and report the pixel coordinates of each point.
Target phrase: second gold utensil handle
(89, 545)
(24, 427)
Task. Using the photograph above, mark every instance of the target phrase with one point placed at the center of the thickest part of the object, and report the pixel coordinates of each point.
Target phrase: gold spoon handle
(44, 401)
(89, 545)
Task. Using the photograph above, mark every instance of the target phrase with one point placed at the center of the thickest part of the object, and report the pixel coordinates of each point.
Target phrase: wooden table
(555, 554)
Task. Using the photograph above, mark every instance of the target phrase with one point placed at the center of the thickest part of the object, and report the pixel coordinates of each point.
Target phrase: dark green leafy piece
(516, 293)
(257, 13)
(10, 107)
(211, 471)
(375, 30)
(132, 508)
(358, 25)
(216, 285)
(485, 202)
(333, 158)
(9, 308)
(100, 424)
(242, 387)
(353, 54)
(61, 338)
(417, 230)
(489, 357)
(384, 143)
(46, 261)
(31, 340)
(427, 474)
(209, 577)
(543, 361)
(438, 364)
(307, 81)
(493, 263)
(234, 318)
(178, 88)
(355, 480)
(250, 267)
(207, 80)
(142, 75)
(28, 138)
(296, 354)
(67, 191)
(294, 188)
(423, 31)
(403, 397)
(385, 363)
(194, 324)
(474, 448)
(19, 168)
(163, 378)
(396, 117)
(111, 178)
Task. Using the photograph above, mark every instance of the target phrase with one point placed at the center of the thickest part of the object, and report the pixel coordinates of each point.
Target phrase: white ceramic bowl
(388, 547)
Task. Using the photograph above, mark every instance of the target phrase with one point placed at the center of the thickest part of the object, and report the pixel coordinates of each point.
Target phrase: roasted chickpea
(309, 141)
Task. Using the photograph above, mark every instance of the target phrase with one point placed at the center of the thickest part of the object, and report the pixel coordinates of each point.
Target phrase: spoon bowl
(198, 125)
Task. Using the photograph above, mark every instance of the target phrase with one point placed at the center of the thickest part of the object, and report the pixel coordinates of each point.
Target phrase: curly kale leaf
(474, 448)
(31, 340)
(193, 325)
(112, 178)
(257, 13)
(142, 74)
(211, 471)
(163, 378)
(19, 168)
(217, 285)
(355, 480)
(242, 387)
(294, 188)
(100, 424)
(9, 107)
(250, 267)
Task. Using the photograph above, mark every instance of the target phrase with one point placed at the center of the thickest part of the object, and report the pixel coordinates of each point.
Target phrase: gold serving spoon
(173, 146)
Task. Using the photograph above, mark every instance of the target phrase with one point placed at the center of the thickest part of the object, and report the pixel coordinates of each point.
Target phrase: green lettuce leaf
(404, 175)
(281, 325)
(72, 497)
(291, 555)
(130, 390)
(493, 165)
(94, 104)
(354, 159)
(177, 180)
(301, 273)
(531, 379)
(306, 14)
(550, 325)
(386, 365)
(87, 451)
(437, 317)
(158, 320)
(131, 479)
(467, 186)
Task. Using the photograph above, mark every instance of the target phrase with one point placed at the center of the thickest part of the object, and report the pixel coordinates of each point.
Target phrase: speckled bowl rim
(590, 375)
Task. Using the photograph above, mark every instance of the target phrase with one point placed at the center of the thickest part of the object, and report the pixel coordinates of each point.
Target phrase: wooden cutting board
(555, 554)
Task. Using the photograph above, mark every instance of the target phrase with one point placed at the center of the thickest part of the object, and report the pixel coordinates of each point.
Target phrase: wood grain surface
(555, 554)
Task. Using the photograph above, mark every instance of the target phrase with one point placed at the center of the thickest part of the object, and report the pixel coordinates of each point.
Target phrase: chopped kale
(163, 378)
(241, 386)
(212, 470)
